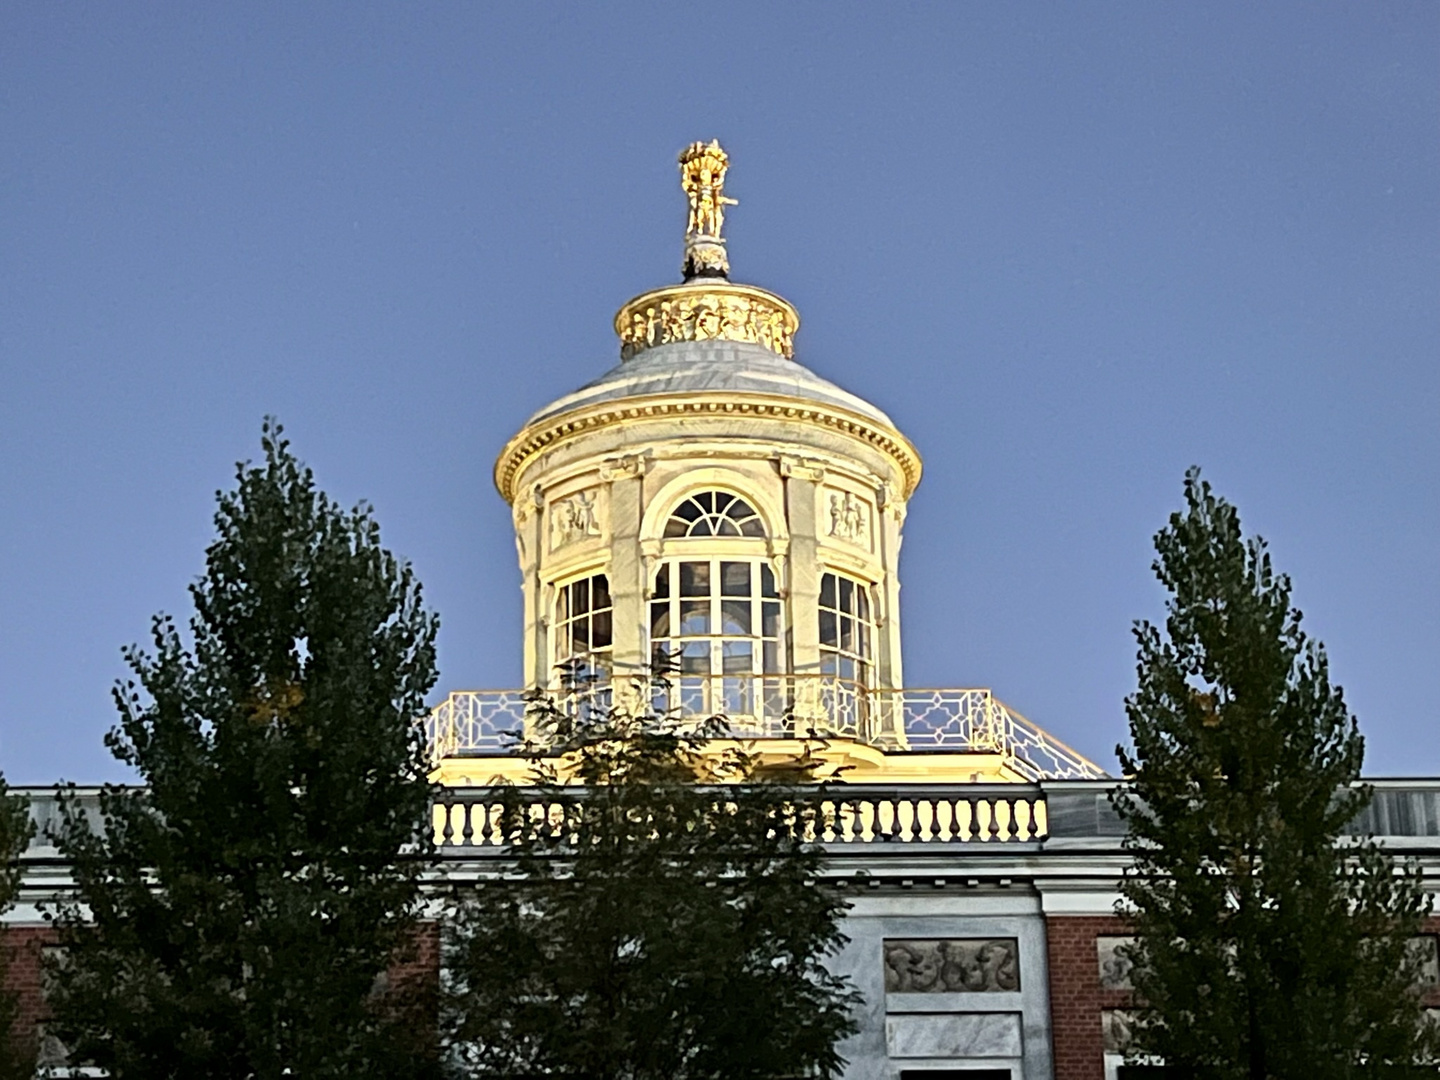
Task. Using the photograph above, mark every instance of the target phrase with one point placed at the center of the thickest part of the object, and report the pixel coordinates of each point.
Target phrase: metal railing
(479, 723)
(845, 814)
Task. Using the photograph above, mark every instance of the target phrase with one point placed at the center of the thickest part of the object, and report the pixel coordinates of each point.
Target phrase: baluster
(827, 821)
(1024, 822)
(467, 827)
(867, 820)
(925, 819)
(905, 814)
(1003, 820)
(943, 814)
(447, 834)
(984, 819)
(886, 814)
(847, 820)
(965, 819)
(1042, 819)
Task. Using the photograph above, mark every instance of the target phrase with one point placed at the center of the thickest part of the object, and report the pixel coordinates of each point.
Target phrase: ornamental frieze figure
(685, 315)
(955, 965)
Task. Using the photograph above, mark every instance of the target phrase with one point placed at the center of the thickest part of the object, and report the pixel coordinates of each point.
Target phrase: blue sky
(1070, 248)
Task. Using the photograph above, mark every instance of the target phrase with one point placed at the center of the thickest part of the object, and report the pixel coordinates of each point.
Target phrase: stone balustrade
(843, 814)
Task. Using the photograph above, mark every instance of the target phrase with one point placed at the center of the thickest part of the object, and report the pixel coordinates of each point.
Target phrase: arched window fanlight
(714, 513)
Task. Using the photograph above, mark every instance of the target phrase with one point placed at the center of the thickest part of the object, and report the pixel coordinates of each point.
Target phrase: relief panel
(847, 517)
(1114, 968)
(954, 965)
(574, 518)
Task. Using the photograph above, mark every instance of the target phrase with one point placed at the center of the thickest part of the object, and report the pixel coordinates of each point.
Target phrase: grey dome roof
(713, 367)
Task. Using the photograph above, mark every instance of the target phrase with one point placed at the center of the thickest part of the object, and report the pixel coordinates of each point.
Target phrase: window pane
(767, 581)
(863, 595)
(726, 527)
(707, 501)
(827, 629)
(675, 527)
(580, 597)
(734, 579)
(739, 510)
(847, 633)
(738, 657)
(752, 527)
(828, 663)
(580, 635)
(847, 668)
(562, 606)
(660, 658)
(695, 658)
(694, 617)
(689, 510)
(770, 619)
(772, 657)
(660, 619)
(847, 595)
(600, 630)
(600, 597)
(735, 617)
(662, 582)
(827, 590)
(694, 579)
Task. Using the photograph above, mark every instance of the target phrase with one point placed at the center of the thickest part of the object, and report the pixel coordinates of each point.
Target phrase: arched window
(716, 630)
(714, 513)
(582, 627)
(847, 632)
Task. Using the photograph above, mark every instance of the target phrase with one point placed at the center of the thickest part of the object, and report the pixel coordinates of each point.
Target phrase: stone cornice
(556, 430)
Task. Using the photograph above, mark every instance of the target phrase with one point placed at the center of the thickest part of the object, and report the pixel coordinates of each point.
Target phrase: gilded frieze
(721, 312)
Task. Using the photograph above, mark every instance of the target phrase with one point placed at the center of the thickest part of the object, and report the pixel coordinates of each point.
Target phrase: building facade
(712, 507)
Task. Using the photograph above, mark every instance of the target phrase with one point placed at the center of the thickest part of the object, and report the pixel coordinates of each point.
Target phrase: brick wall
(1076, 997)
(420, 973)
(1075, 994)
(23, 945)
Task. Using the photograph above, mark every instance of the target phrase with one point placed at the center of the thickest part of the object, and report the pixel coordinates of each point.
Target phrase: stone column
(626, 477)
(802, 478)
(529, 536)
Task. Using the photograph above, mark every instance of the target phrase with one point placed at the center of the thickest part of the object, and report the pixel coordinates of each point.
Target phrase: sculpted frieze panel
(1114, 968)
(952, 965)
(572, 519)
(848, 518)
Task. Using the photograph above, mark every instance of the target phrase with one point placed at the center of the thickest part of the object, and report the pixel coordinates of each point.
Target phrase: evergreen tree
(671, 926)
(17, 1046)
(235, 915)
(1270, 944)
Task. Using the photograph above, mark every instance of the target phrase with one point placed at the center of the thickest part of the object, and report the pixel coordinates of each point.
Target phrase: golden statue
(702, 175)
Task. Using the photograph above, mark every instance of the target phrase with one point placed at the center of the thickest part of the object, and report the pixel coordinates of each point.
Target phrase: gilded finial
(702, 175)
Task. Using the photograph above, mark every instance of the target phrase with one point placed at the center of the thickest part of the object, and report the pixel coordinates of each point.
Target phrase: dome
(711, 367)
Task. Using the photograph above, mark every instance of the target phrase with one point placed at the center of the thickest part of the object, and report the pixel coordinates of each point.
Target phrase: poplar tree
(1270, 943)
(235, 915)
(670, 923)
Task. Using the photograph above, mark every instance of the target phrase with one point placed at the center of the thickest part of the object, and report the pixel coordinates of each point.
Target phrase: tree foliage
(669, 922)
(234, 913)
(17, 1046)
(1269, 943)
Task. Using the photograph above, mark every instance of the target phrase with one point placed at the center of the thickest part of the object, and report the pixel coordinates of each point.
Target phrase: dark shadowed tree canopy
(243, 904)
(1270, 944)
(670, 924)
(17, 1045)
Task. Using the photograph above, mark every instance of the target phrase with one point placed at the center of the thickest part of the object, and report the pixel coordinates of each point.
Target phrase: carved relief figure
(1114, 965)
(573, 519)
(847, 519)
(974, 966)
